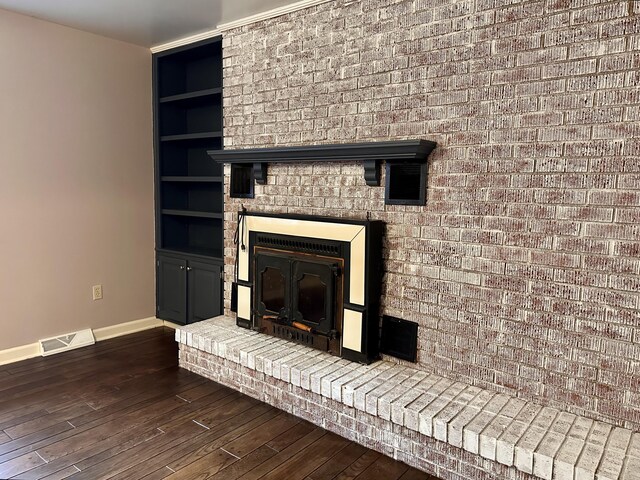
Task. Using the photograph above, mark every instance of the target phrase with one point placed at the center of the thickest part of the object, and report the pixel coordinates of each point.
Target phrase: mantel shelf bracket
(260, 173)
(372, 172)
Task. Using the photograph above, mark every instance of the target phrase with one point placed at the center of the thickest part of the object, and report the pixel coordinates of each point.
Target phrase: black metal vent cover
(300, 244)
(294, 334)
(241, 184)
(406, 183)
(399, 338)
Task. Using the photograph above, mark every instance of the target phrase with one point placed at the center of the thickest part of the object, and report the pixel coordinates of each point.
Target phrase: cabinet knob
(181, 267)
(189, 268)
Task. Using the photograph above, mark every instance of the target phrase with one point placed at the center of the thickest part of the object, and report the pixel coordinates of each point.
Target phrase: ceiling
(142, 22)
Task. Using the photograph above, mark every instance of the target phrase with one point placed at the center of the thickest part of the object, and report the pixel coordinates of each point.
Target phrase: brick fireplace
(522, 269)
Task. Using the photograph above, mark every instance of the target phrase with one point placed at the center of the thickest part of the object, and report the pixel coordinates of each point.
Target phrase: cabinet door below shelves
(172, 289)
(205, 291)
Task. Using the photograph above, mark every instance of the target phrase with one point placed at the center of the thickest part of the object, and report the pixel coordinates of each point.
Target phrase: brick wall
(523, 268)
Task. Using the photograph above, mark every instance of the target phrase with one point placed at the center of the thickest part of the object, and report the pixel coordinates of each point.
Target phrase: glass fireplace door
(273, 283)
(296, 288)
(313, 294)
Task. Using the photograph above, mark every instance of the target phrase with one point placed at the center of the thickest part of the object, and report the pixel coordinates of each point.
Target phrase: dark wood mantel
(370, 153)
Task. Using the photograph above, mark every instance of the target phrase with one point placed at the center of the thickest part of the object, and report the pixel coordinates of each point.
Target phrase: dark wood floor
(123, 409)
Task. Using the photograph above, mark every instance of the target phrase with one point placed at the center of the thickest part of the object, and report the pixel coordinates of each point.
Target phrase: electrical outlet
(97, 292)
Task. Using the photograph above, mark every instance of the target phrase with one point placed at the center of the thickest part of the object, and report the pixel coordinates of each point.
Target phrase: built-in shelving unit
(189, 185)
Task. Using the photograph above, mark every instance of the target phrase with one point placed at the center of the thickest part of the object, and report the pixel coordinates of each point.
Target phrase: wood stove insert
(312, 280)
(299, 295)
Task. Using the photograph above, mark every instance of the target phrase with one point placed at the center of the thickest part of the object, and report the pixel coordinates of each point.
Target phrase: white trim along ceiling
(155, 24)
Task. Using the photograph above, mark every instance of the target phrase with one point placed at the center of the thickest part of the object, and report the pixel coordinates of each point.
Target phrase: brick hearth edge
(448, 428)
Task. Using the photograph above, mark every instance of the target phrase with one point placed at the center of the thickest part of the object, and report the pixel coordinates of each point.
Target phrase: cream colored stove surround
(354, 235)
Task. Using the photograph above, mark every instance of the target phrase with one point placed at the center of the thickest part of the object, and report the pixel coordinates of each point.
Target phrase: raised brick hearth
(406, 413)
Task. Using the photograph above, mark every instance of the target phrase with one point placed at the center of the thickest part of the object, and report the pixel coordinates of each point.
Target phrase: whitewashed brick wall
(523, 268)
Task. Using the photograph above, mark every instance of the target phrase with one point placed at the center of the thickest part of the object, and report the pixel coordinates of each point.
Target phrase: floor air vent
(49, 346)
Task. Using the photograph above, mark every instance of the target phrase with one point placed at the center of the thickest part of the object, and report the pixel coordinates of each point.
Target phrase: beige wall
(76, 180)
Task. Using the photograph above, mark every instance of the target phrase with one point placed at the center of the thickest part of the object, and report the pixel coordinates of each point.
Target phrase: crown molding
(186, 40)
(276, 12)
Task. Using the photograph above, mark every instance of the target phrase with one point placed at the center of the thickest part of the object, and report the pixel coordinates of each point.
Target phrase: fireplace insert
(312, 280)
(299, 296)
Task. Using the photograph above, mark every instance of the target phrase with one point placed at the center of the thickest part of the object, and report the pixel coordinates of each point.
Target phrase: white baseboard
(16, 354)
(126, 328)
(171, 325)
(24, 352)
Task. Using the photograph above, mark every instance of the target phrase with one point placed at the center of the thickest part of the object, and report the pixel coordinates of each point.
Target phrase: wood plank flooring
(122, 409)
